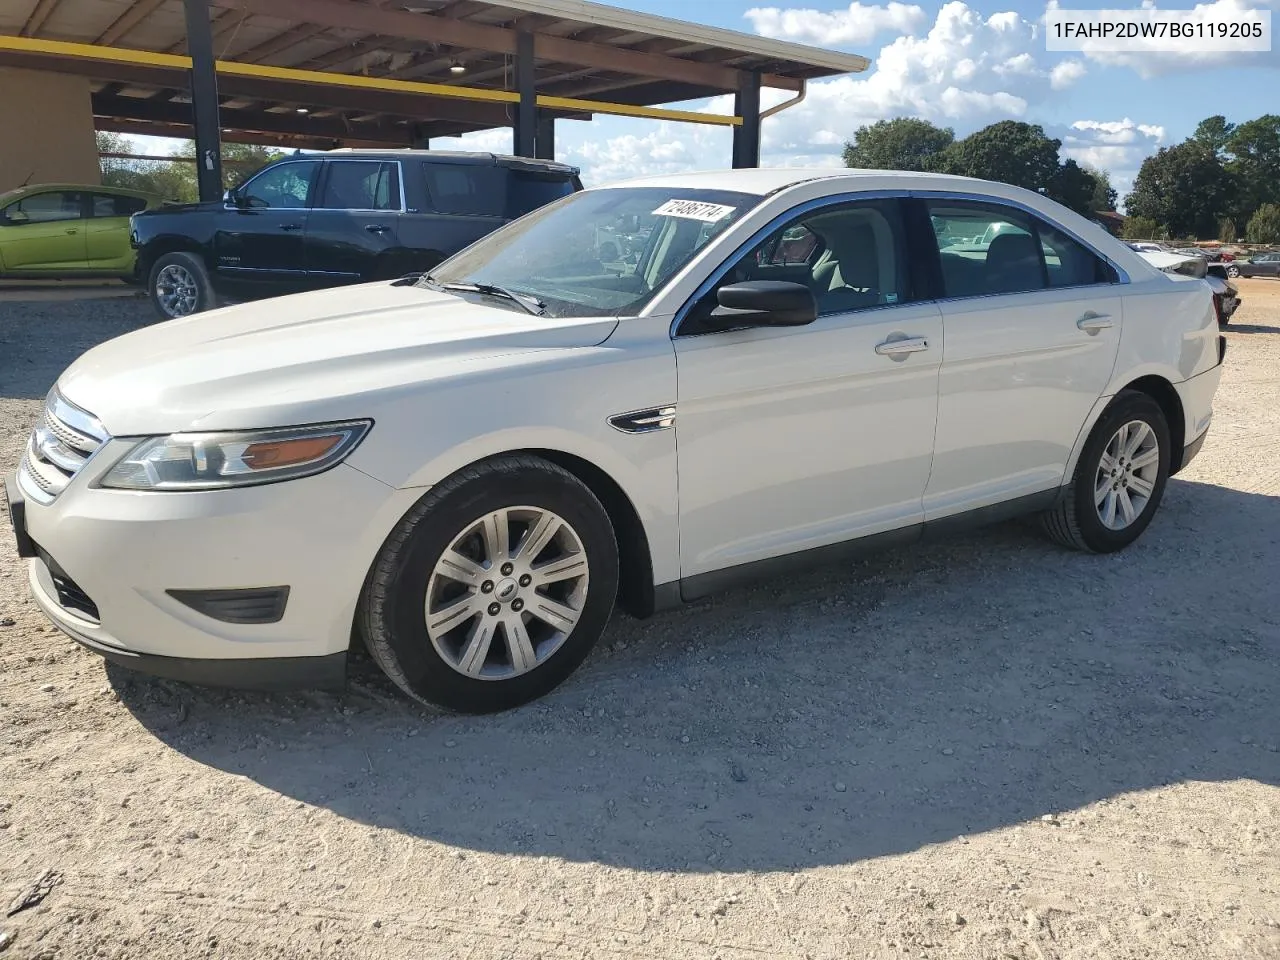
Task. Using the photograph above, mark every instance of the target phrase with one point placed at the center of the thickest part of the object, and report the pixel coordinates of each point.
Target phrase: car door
(1032, 321)
(107, 231)
(352, 229)
(793, 438)
(44, 233)
(260, 232)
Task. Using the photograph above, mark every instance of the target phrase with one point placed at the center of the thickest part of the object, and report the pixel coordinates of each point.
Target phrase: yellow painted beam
(88, 51)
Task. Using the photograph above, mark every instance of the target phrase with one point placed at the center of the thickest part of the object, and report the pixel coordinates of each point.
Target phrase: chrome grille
(60, 445)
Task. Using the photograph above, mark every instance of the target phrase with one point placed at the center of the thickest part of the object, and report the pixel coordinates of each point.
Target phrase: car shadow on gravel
(1252, 328)
(843, 714)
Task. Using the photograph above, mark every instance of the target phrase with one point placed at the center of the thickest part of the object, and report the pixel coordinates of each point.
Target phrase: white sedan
(469, 469)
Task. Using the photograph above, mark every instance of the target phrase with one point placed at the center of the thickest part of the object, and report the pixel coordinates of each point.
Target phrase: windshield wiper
(527, 301)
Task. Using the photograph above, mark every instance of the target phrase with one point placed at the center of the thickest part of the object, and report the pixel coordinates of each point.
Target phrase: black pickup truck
(343, 216)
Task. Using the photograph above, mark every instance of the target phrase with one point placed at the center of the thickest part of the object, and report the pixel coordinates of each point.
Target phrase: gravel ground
(983, 748)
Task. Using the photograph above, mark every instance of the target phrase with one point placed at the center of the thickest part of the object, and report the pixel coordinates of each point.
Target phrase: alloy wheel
(506, 593)
(1127, 474)
(176, 290)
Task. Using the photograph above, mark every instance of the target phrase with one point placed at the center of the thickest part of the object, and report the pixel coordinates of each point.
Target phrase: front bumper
(326, 672)
(108, 561)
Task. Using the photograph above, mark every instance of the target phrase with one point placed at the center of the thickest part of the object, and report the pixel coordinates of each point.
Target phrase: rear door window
(116, 205)
(466, 189)
(529, 191)
(361, 185)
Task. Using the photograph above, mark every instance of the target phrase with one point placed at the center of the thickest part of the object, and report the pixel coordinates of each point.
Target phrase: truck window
(529, 191)
(465, 189)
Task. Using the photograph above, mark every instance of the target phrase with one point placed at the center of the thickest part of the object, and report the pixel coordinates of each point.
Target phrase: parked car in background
(1260, 265)
(1226, 296)
(326, 219)
(469, 469)
(1148, 246)
(66, 231)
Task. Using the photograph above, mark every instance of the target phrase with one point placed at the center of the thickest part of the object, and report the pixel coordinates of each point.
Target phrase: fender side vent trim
(645, 421)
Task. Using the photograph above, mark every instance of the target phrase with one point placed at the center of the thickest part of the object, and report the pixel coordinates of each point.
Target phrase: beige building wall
(46, 129)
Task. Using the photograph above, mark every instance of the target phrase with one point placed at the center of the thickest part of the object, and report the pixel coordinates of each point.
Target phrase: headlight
(213, 461)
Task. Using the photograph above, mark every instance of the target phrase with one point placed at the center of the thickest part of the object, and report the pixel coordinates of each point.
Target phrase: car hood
(305, 358)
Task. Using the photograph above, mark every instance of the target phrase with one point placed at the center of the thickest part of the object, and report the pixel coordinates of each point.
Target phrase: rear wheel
(1233, 272)
(494, 588)
(1119, 480)
(179, 285)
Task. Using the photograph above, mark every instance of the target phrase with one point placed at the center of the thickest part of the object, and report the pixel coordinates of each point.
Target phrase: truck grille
(60, 445)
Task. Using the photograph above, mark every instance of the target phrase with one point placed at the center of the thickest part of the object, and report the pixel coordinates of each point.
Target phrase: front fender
(554, 400)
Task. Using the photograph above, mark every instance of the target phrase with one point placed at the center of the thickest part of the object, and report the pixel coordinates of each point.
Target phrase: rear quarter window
(465, 189)
(527, 191)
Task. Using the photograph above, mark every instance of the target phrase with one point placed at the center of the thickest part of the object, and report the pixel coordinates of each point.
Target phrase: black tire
(392, 610)
(1075, 521)
(1233, 272)
(193, 266)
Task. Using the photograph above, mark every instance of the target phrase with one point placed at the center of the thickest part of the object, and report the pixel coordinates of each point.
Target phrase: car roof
(452, 156)
(90, 187)
(766, 180)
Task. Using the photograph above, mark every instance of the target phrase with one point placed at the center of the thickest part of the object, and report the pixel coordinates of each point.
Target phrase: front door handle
(1092, 322)
(73, 230)
(900, 348)
(290, 226)
(376, 227)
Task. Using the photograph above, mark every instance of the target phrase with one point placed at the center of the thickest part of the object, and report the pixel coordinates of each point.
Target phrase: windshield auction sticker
(1206, 28)
(694, 210)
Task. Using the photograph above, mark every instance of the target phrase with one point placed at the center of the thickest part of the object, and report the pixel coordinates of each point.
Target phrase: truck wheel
(179, 286)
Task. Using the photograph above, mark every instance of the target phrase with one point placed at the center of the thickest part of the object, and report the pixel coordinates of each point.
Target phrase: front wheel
(1119, 480)
(494, 588)
(179, 285)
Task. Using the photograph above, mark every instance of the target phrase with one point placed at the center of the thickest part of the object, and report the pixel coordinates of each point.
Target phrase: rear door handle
(900, 348)
(1093, 322)
(73, 230)
(290, 226)
(376, 228)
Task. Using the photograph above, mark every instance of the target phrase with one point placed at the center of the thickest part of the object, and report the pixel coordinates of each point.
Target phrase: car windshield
(596, 253)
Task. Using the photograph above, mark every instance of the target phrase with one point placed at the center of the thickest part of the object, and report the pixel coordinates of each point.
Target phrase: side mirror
(17, 216)
(234, 197)
(764, 303)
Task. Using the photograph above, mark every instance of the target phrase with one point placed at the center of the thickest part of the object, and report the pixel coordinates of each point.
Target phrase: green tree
(1184, 188)
(905, 143)
(1140, 228)
(1008, 151)
(1227, 230)
(1255, 160)
(1074, 187)
(1214, 132)
(1104, 195)
(170, 180)
(1264, 226)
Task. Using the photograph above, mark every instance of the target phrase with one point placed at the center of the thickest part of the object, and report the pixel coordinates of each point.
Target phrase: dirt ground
(983, 748)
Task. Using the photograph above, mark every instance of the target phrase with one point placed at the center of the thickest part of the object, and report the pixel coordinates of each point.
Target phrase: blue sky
(963, 64)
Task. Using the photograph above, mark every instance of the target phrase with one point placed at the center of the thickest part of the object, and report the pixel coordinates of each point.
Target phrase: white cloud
(857, 24)
(1117, 146)
(1066, 73)
(967, 70)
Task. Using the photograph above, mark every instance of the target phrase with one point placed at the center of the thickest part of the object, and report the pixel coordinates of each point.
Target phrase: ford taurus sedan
(471, 469)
